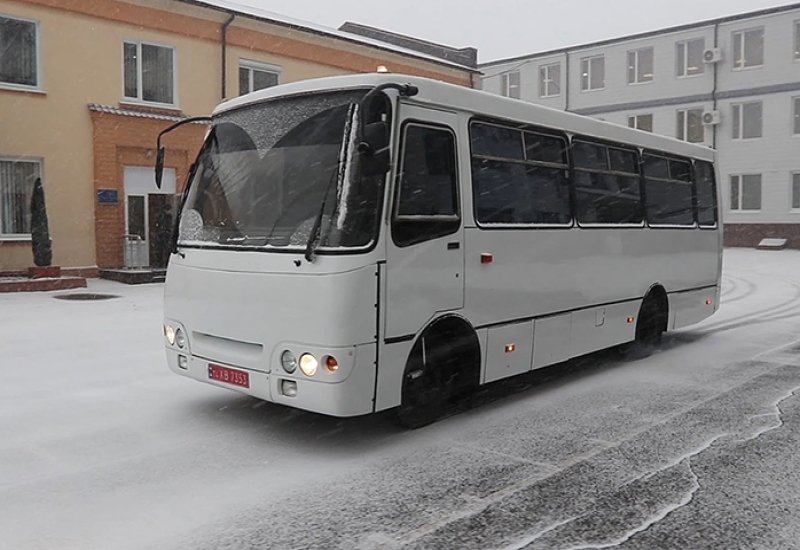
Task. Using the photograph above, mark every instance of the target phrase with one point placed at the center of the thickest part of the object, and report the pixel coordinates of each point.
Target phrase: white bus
(354, 244)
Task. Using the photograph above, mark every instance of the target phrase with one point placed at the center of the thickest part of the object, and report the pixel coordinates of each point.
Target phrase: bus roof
(478, 102)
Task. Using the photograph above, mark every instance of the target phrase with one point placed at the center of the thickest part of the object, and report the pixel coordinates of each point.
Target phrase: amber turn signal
(331, 364)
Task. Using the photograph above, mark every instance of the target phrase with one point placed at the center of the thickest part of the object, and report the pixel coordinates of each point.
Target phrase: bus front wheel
(444, 364)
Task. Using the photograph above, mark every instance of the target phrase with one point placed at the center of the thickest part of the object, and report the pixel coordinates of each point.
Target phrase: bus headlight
(169, 332)
(308, 364)
(288, 361)
(180, 338)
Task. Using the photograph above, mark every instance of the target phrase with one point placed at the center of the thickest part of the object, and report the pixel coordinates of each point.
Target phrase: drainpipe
(224, 34)
(566, 81)
(714, 89)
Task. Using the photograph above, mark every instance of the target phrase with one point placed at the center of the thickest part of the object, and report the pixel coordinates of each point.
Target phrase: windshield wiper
(336, 175)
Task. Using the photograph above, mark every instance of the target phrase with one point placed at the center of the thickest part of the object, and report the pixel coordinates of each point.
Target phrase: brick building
(86, 86)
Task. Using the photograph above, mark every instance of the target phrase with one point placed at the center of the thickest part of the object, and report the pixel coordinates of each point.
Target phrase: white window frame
(251, 66)
(792, 176)
(740, 183)
(637, 64)
(545, 79)
(740, 54)
(506, 86)
(38, 87)
(740, 106)
(40, 162)
(138, 99)
(682, 133)
(635, 120)
(683, 72)
(587, 72)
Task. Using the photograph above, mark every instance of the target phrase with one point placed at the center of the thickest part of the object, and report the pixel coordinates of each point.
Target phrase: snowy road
(102, 447)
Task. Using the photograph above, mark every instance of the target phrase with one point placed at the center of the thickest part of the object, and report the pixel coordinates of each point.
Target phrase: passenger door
(425, 248)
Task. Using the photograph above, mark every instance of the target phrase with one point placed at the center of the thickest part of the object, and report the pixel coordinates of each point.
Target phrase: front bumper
(352, 396)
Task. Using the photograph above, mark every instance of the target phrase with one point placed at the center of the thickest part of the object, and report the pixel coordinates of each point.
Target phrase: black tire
(444, 365)
(423, 394)
(650, 326)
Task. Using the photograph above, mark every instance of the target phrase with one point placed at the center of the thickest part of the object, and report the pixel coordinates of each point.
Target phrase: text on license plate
(229, 375)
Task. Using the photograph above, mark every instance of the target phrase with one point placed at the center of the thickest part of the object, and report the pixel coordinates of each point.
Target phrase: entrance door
(148, 211)
(425, 251)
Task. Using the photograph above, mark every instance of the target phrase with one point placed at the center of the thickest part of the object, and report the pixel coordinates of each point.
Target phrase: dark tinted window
(516, 193)
(655, 167)
(427, 197)
(668, 191)
(603, 194)
(513, 191)
(680, 170)
(706, 194)
(542, 148)
(623, 161)
(489, 140)
(589, 156)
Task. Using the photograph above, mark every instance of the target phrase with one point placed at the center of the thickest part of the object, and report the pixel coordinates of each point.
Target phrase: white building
(731, 83)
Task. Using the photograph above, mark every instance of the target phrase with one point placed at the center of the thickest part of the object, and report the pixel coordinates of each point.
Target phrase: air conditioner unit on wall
(711, 118)
(712, 55)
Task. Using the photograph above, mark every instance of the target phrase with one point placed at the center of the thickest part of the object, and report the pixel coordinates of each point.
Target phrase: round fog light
(288, 361)
(180, 338)
(183, 362)
(308, 364)
(169, 332)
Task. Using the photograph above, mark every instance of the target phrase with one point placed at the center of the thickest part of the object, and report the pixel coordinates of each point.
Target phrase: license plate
(229, 375)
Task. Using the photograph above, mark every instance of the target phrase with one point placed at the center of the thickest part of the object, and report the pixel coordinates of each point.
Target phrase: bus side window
(668, 191)
(426, 205)
(706, 194)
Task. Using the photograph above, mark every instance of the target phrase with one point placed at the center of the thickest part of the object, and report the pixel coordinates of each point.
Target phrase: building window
(149, 72)
(796, 191)
(257, 76)
(16, 187)
(593, 73)
(18, 52)
(641, 122)
(689, 57)
(797, 40)
(690, 125)
(746, 192)
(640, 66)
(747, 120)
(550, 80)
(796, 117)
(510, 84)
(748, 48)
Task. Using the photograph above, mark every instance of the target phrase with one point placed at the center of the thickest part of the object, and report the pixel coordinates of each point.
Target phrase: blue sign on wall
(107, 196)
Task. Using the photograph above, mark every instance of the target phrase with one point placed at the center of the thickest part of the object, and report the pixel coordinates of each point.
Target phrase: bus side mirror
(374, 149)
(159, 166)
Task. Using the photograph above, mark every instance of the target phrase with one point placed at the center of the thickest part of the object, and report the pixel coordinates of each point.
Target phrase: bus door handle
(453, 246)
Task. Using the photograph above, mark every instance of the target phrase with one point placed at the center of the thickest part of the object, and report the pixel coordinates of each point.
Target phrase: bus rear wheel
(444, 365)
(650, 325)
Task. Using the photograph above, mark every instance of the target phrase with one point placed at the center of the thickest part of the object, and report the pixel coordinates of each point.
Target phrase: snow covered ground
(102, 447)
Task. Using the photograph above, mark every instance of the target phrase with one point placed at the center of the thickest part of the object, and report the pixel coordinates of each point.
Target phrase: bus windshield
(268, 172)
